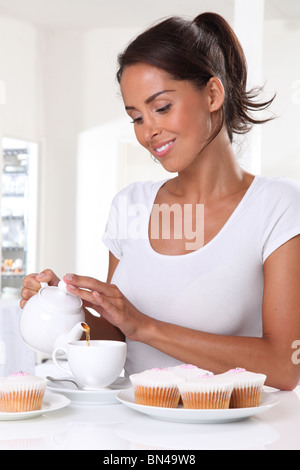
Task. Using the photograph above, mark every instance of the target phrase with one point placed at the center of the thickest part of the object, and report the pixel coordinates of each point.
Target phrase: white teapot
(51, 318)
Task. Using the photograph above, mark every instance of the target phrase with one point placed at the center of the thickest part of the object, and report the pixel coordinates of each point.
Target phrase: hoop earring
(153, 158)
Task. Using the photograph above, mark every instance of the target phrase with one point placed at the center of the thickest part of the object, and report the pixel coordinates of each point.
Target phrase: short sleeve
(282, 214)
(129, 215)
(111, 238)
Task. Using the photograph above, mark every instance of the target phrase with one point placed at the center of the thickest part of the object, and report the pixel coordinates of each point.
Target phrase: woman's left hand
(110, 303)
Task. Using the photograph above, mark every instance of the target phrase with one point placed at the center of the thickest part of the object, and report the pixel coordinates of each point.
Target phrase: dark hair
(196, 51)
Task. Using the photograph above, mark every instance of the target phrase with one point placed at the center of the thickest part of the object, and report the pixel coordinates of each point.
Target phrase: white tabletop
(116, 427)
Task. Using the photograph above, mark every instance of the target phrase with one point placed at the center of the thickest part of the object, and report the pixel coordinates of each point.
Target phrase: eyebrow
(151, 98)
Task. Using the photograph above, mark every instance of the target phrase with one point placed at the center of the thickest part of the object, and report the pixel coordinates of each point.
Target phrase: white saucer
(51, 402)
(182, 415)
(103, 396)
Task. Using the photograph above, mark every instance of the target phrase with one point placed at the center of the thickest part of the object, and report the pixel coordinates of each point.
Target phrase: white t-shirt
(217, 288)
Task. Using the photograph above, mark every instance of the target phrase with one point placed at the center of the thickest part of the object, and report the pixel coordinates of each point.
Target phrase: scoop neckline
(213, 240)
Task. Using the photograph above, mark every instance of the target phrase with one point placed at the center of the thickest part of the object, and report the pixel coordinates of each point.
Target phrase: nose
(150, 129)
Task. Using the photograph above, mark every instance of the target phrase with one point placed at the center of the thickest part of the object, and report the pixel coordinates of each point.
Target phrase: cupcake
(188, 371)
(156, 387)
(206, 392)
(21, 392)
(247, 387)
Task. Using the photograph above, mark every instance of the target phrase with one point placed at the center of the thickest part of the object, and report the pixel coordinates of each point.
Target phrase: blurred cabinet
(18, 213)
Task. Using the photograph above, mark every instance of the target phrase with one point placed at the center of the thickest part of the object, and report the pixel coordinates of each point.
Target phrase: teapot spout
(74, 335)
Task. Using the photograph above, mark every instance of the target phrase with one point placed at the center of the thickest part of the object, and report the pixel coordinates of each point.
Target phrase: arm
(271, 354)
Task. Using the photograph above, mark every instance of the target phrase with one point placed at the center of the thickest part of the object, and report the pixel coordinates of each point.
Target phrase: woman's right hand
(31, 284)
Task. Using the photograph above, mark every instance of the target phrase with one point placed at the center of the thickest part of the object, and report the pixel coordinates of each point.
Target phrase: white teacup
(95, 366)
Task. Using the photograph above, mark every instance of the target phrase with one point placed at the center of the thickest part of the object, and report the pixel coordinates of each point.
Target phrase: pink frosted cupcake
(21, 392)
(247, 387)
(188, 371)
(156, 387)
(206, 392)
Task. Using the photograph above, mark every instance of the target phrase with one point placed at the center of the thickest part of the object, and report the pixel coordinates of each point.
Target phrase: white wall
(62, 77)
(281, 137)
(22, 114)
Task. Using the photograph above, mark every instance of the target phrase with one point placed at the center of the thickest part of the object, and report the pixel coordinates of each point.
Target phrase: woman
(224, 293)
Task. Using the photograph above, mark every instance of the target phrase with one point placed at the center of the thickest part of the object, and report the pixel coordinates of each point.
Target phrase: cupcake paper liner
(21, 401)
(247, 397)
(209, 400)
(157, 396)
(21, 392)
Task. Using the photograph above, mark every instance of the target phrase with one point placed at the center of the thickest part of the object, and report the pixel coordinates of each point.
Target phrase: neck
(214, 174)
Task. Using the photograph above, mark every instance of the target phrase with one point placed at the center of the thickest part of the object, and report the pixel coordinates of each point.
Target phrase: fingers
(105, 298)
(31, 284)
(110, 308)
(22, 303)
(78, 285)
(122, 314)
(48, 276)
(109, 301)
(30, 287)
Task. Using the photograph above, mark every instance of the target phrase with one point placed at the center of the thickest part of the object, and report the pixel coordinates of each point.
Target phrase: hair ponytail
(233, 72)
(198, 50)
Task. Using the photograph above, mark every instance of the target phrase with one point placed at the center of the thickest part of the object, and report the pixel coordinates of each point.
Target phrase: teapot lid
(60, 297)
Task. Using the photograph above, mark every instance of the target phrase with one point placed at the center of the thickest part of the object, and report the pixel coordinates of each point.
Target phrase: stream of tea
(87, 331)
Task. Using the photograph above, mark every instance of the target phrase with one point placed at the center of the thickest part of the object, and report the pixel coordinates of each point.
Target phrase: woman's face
(172, 119)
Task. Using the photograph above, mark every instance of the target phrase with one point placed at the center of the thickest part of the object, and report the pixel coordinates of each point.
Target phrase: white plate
(182, 415)
(103, 396)
(51, 402)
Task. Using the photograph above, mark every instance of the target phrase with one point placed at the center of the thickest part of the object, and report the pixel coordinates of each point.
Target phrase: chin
(171, 167)
(171, 171)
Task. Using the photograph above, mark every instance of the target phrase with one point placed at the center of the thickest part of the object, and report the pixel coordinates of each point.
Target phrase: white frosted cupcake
(156, 387)
(206, 392)
(21, 392)
(247, 387)
(188, 371)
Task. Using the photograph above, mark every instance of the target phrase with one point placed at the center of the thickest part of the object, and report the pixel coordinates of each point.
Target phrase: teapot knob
(62, 286)
(44, 284)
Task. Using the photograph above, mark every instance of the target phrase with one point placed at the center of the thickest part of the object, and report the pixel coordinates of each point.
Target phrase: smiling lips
(163, 148)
